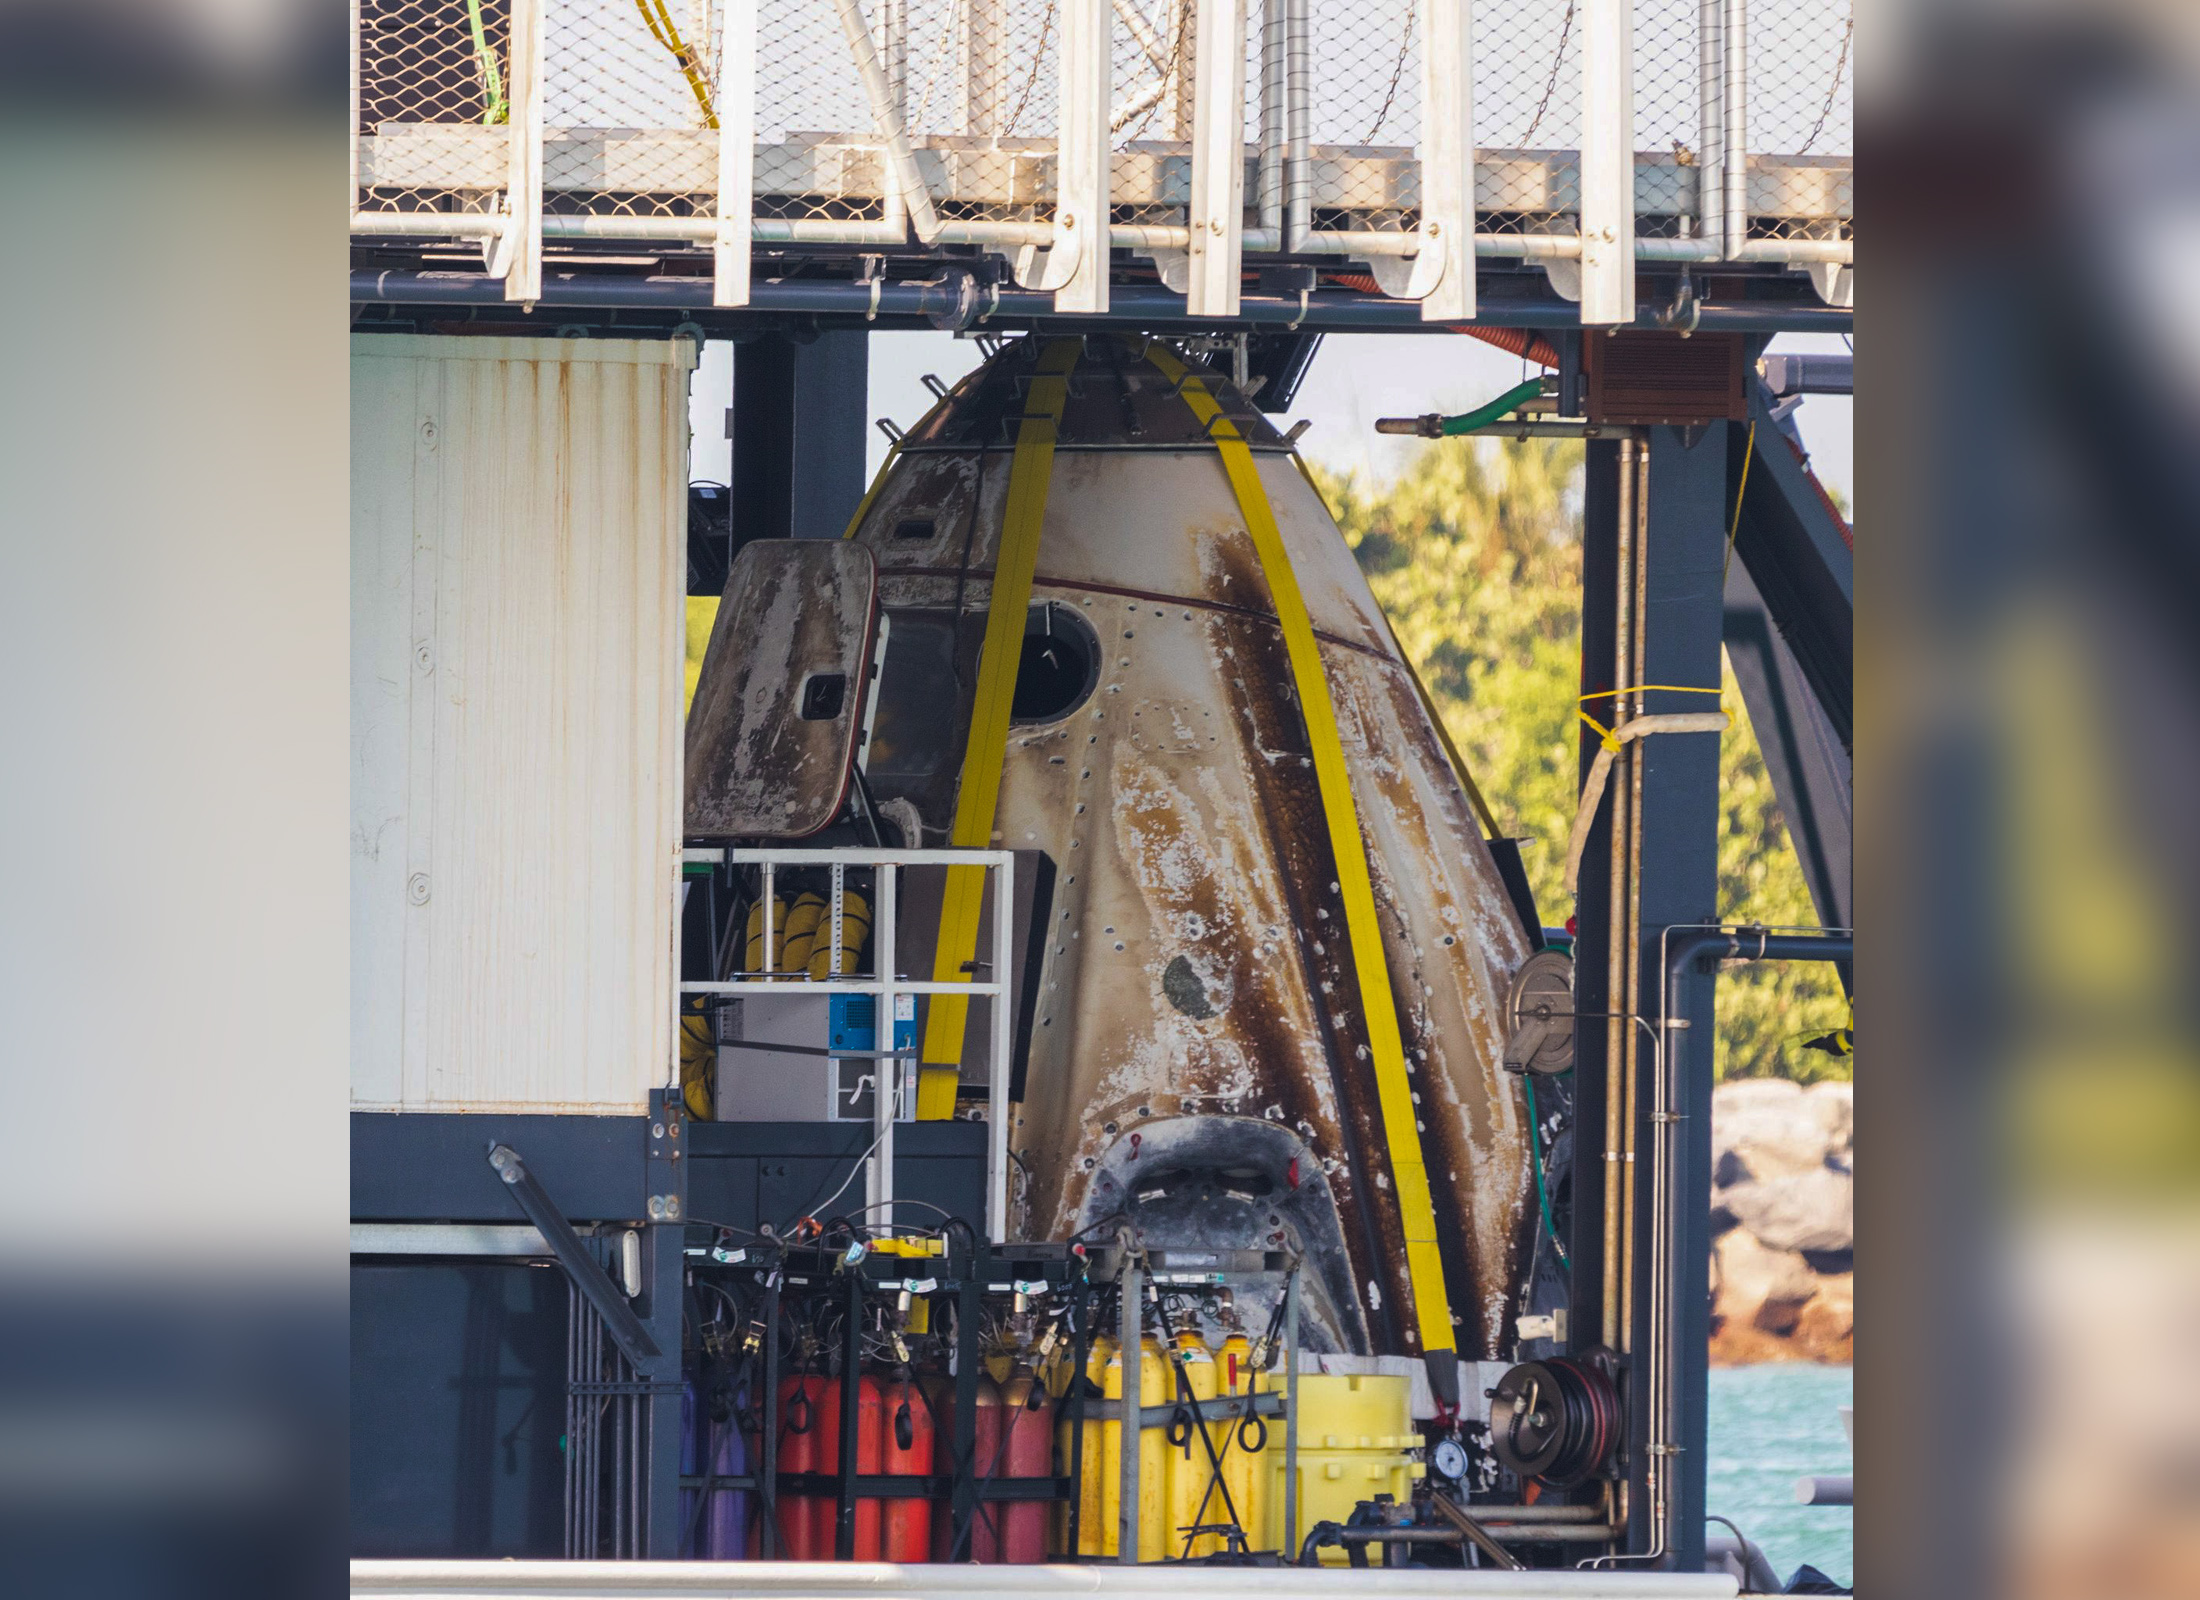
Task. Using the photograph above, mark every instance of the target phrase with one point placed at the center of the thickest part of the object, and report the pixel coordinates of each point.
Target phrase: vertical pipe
(1291, 1415)
(1298, 182)
(894, 24)
(1129, 1291)
(887, 1074)
(736, 154)
(1184, 17)
(1735, 147)
(1607, 163)
(1638, 629)
(1711, 121)
(767, 1521)
(851, 1418)
(766, 960)
(1274, 126)
(1002, 1053)
(1615, 1175)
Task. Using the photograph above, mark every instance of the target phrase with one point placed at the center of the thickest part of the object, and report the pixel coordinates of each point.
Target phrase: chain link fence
(433, 103)
(630, 107)
(1365, 116)
(1802, 119)
(631, 91)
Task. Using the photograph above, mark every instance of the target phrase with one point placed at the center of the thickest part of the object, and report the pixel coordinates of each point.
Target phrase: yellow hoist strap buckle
(978, 792)
(1401, 1128)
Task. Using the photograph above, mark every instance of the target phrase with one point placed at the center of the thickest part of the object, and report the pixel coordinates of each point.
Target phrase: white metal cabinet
(518, 515)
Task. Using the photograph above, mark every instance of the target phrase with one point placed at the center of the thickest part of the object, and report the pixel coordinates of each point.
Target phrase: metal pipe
(1615, 1044)
(913, 194)
(1711, 126)
(1298, 160)
(1130, 1323)
(1274, 126)
(1137, 306)
(1825, 1491)
(1678, 961)
(1632, 755)
(831, 1580)
(1734, 124)
(1002, 1051)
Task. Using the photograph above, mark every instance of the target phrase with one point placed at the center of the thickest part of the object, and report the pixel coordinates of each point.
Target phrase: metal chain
(1565, 32)
(1840, 70)
(1397, 75)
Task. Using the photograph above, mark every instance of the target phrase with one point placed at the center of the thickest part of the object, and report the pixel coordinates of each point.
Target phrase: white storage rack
(886, 983)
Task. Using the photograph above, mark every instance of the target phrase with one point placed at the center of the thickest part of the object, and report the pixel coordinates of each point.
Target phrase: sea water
(1770, 1425)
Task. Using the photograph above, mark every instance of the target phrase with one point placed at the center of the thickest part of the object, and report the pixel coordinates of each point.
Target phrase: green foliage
(1475, 554)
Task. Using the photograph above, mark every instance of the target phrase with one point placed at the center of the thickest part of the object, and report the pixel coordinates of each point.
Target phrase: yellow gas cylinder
(802, 928)
(855, 933)
(1190, 1471)
(1243, 1468)
(1093, 1464)
(1354, 1432)
(1153, 1489)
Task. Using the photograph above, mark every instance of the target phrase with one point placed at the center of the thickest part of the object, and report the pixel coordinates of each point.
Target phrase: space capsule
(1201, 1058)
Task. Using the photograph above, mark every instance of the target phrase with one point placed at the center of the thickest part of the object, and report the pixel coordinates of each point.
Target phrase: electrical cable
(1535, 1160)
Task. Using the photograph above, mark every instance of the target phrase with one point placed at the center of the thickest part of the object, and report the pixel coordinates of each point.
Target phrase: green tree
(1474, 551)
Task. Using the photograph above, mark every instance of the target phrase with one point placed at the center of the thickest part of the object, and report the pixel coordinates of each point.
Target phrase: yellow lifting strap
(1420, 690)
(1401, 1128)
(979, 790)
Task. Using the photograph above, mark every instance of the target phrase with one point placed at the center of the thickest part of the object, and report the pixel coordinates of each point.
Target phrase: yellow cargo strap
(1420, 690)
(1401, 1129)
(979, 789)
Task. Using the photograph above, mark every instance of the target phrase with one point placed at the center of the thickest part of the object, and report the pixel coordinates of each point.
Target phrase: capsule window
(915, 528)
(823, 696)
(1060, 666)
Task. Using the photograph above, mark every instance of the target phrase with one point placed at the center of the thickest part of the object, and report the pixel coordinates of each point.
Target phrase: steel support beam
(798, 439)
(1217, 210)
(1796, 550)
(1810, 771)
(1607, 163)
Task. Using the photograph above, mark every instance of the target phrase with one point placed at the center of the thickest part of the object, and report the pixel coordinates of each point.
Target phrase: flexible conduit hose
(1496, 411)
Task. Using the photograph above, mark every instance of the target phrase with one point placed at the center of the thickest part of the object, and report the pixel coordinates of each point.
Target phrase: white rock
(1814, 1211)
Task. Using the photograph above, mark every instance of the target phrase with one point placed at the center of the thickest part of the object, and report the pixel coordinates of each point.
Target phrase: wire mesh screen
(1802, 119)
(433, 104)
(980, 82)
(1365, 117)
(1153, 57)
(1527, 116)
(1668, 118)
(630, 107)
(818, 155)
(1153, 102)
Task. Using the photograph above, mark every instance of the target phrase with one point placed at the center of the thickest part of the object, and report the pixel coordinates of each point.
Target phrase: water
(1771, 1425)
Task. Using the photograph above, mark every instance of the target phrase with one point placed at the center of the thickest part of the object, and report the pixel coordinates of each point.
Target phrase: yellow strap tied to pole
(978, 793)
(1401, 1128)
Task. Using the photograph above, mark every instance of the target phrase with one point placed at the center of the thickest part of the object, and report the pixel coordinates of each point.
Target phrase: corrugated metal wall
(518, 508)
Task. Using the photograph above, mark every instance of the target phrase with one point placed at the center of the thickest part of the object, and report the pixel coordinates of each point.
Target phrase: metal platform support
(797, 423)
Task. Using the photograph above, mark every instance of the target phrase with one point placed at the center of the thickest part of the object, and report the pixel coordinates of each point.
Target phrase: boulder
(1773, 1128)
(1811, 1211)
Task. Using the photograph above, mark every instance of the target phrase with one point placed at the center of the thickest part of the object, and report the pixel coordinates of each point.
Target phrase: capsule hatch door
(783, 696)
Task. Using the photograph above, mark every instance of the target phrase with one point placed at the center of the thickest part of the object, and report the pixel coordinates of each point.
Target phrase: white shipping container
(518, 571)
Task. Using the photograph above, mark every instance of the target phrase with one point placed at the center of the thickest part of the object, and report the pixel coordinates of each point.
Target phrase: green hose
(492, 82)
(1535, 1160)
(1496, 411)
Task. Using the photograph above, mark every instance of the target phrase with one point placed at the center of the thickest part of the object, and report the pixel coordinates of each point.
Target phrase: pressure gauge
(1450, 1459)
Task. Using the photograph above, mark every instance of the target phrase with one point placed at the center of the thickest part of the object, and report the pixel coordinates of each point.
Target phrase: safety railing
(1409, 135)
(885, 982)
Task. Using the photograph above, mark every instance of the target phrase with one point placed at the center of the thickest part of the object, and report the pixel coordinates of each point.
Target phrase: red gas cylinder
(825, 1513)
(905, 1447)
(801, 1398)
(1027, 1415)
(984, 1541)
(985, 1527)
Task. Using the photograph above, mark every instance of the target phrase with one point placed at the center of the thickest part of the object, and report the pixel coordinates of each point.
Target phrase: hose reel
(1555, 1421)
(1540, 1033)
